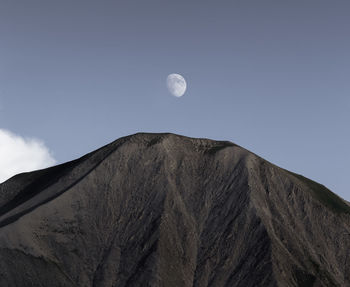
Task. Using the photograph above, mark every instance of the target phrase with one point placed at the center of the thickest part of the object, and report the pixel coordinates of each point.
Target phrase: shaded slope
(162, 209)
(22, 193)
(325, 196)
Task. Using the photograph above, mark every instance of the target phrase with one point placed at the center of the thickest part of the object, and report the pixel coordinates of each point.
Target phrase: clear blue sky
(271, 76)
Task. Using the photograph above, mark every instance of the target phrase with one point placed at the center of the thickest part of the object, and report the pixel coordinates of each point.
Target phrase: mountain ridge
(161, 209)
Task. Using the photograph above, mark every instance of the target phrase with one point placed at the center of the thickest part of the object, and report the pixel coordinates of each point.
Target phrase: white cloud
(18, 154)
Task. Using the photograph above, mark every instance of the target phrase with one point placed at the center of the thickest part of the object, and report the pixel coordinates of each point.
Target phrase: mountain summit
(168, 210)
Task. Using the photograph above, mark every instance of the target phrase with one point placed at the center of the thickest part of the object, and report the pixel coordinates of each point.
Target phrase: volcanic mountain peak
(168, 210)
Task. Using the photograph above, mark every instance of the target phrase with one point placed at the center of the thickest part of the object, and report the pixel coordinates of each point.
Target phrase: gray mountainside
(167, 210)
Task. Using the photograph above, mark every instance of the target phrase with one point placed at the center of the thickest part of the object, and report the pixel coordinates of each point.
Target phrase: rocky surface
(167, 210)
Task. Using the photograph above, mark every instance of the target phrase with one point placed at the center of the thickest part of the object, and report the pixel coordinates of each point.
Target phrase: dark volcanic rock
(166, 210)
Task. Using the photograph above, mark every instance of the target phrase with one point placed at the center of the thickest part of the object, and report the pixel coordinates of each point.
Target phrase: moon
(176, 85)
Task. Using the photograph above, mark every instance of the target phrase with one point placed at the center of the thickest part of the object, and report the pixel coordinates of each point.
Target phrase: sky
(272, 76)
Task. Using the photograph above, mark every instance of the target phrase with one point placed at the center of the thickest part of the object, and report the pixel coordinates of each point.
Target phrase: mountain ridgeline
(168, 210)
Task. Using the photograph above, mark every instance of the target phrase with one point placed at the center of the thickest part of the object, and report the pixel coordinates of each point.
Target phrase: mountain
(168, 210)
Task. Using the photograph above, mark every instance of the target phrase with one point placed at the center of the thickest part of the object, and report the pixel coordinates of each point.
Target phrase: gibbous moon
(176, 85)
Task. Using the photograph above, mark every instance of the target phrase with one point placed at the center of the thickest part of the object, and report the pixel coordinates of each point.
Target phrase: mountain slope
(167, 210)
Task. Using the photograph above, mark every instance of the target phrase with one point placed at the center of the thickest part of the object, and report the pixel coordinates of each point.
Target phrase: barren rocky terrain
(167, 210)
